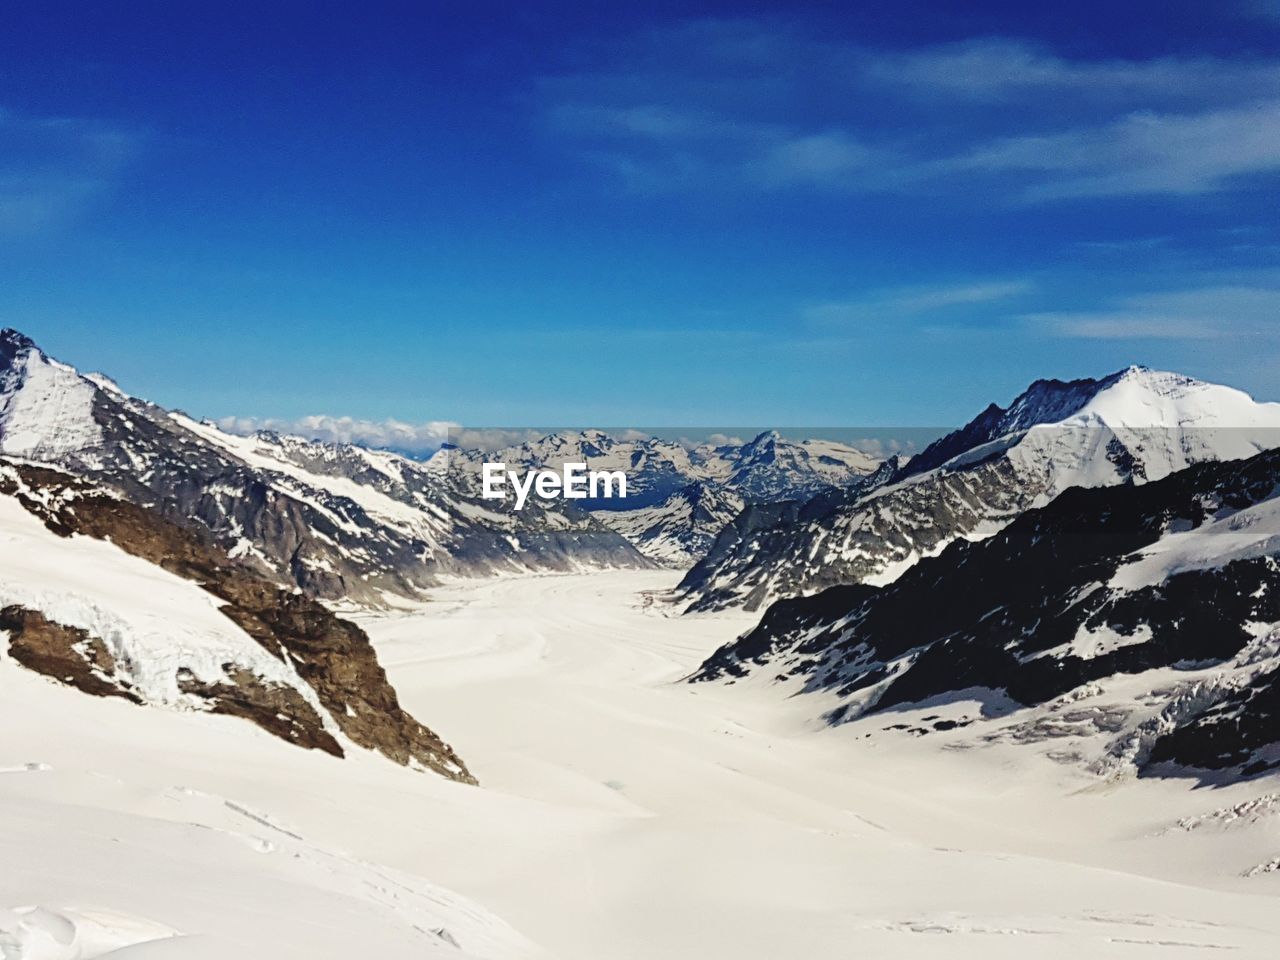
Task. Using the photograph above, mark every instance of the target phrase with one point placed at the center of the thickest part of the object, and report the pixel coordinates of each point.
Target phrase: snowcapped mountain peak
(1136, 424)
(767, 438)
(1169, 407)
(46, 407)
(1131, 427)
(1146, 398)
(1135, 396)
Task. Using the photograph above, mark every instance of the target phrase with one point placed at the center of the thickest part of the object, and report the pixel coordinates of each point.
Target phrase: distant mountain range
(679, 498)
(345, 522)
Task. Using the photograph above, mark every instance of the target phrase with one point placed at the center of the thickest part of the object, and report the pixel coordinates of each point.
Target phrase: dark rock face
(1037, 611)
(332, 656)
(1240, 731)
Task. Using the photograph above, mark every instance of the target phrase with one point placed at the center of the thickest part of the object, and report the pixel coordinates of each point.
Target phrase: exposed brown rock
(81, 660)
(278, 709)
(67, 654)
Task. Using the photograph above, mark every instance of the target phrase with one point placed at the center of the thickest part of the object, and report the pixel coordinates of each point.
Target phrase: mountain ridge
(1132, 426)
(339, 521)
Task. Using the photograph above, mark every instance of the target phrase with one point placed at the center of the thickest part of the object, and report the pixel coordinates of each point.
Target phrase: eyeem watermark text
(573, 482)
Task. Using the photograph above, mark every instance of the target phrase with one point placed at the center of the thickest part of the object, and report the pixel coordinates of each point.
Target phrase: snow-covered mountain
(1134, 426)
(680, 497)
(768, 467)
(682, 527)
(1130, 626)
(771, 468)
(108, 597)
(339, 521)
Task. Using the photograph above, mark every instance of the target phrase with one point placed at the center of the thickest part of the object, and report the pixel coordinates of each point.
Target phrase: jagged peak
(16, 339)
(1050, 400)
(1135, 395)
(13, 344)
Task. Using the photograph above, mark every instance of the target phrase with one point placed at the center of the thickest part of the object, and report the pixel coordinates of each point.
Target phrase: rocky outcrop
(275, 707)
(67, 654)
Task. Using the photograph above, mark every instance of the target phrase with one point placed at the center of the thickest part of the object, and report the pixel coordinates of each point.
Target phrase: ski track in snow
(623, 816)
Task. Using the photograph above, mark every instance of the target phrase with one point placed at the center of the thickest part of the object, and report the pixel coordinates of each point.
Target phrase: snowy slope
(732, 825)
(139, 834)
(1132, 427)
(729, 826)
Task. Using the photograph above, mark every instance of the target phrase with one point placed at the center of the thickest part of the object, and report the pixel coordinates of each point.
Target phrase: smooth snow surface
(623, 816)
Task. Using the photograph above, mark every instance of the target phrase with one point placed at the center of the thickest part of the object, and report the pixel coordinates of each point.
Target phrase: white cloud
(1141, 153)
(903, 302)
(994, 68)
(716, 440)
(390, 434)
(1204, 313)
(494, 438)
(1120, 325)
(763, 106)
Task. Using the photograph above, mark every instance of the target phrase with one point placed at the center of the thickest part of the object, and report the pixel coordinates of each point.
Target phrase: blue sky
(686, 214)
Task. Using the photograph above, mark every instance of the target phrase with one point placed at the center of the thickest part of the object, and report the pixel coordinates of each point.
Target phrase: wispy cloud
(1000, 69)
(912, 302)
(823, 158)
(53, 168)
(766, 106)
(382, 434)
(1141, 153)
(1204, 313)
